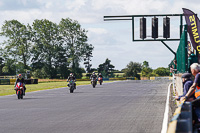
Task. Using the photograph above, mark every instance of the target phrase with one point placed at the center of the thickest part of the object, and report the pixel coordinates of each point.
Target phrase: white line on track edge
(165, 119)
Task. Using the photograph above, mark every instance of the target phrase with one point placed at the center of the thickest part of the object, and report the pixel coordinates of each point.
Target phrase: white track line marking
(165, 119)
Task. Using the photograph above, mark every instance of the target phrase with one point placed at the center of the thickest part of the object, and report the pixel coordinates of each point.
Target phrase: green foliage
(161, 71)
(146, 70)
(40, 73)
(18, 42)
(132, 69)
(1, 61)
(106, 69)
(75, 40)
(145, 64)
(9, 67)
(53, 50)
(47, 46)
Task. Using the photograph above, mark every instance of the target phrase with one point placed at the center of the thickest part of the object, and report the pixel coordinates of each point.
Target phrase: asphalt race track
(119, 107)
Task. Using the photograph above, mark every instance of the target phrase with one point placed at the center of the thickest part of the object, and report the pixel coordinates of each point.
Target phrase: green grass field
(9, 89)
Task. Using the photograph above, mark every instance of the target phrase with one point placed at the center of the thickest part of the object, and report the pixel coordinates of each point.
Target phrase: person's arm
(15, 82)
(186, 88)
(24, 82)
(192, 88)
(190, 92)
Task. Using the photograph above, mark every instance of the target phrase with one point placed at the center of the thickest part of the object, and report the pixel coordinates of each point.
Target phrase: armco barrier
(31, 81)
(161, 78)
(182, 119)
(12, 81)
(132, 78)
(4, 81)
(152, 78)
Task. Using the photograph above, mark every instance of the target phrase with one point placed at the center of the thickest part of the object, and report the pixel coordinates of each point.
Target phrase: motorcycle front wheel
(93, 85)
(18, 94)
(71, 89)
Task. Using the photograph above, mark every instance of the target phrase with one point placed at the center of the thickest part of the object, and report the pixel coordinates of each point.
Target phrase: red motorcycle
(19, 90)
(100, 79)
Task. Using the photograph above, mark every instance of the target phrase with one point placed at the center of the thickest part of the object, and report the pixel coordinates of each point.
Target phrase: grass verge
(9, 89)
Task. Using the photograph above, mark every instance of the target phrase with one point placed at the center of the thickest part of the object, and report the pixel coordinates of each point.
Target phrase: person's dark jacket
(186, 86)
(71, 78)
(93, 76)
(101, 76)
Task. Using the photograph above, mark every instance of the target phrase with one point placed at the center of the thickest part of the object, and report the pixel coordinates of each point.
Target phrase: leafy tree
(146, 70)
(40, 73)
(51, 48)
(132, 69)
(1, 65)
(9, 67)
(18, 43)
(106, 69)
(47, 46)
(161, 71)
(145, 64)
(62, 64)
(1, 61)
(75, 41)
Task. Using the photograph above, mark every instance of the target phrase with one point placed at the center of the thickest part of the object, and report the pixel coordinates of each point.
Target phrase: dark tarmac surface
(119, 107)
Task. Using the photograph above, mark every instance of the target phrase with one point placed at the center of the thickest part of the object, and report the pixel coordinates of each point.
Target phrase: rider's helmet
(20, 76)
(93, 73)
(99, 73)
(71, 74)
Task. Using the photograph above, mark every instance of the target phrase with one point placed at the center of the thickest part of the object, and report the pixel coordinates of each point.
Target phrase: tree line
(132, 69)
(48, 49)
(135, 69)
(51, 50)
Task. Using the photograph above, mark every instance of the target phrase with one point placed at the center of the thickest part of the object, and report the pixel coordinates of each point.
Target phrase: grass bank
(9, 89)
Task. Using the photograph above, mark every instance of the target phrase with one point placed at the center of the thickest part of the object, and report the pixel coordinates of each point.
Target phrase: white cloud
(97, 31)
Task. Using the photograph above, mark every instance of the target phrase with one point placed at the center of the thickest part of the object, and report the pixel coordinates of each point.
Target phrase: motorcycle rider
(100, 76)
(21, 79)
(93, 76)
(71, 77)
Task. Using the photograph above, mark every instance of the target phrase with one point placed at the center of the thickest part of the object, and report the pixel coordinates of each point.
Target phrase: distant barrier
(12, 81)
(161, 78)
(4, 81)
(182, 119)
(8, 77)
(132, 78)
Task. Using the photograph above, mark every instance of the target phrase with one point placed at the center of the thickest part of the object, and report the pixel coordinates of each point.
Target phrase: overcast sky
(111, 40)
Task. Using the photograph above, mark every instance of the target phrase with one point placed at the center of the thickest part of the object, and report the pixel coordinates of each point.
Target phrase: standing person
(100, 75)
(187, 83)
(196, 85)
(20, 79)
(71, 77)
(195, 88)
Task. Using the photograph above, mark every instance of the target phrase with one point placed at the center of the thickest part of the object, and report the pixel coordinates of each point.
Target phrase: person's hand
(176, 97)
(182, 99)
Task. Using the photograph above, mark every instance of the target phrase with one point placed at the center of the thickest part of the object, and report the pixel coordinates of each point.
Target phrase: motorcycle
(100, 79)
(71, 86)
(19, 90)
(93, 82)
